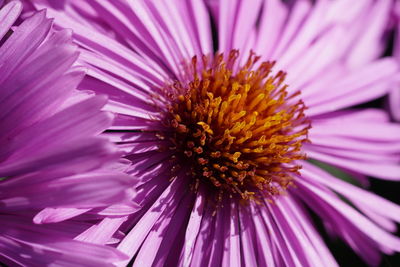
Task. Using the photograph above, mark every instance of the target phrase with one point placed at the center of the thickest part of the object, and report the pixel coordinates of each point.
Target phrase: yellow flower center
(237, 128)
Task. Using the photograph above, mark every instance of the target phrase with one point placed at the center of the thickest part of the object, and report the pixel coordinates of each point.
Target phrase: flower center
(236, 127)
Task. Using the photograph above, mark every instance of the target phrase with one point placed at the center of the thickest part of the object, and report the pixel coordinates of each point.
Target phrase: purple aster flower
(228, 145)
(51, 155)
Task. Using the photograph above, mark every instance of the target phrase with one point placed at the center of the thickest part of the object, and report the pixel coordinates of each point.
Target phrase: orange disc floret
(238, 127)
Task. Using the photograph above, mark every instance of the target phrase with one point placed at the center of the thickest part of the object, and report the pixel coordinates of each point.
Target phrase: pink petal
(8, 15)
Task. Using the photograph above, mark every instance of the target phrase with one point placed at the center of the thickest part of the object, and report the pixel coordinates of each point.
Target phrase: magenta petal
(8, 15)
(22, 43)
(42, 248)
(81, 191)
(374, 202)
(103, 232)
(368, 228)
(134, 239)
(52, 215)
(192, 230)
(394, 98)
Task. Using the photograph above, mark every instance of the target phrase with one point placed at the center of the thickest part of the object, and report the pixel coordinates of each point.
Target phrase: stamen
(238, 127)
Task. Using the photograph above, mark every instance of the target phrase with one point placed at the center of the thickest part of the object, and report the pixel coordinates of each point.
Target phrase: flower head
(51, 154)
(218, 139)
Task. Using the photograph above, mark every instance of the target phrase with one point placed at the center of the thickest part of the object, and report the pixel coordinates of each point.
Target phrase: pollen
(237, 128)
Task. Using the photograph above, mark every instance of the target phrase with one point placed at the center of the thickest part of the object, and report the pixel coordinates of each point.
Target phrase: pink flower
(217, 140)
(51, 155)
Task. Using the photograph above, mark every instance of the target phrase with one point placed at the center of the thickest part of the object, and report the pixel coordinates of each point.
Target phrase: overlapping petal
(52, 154)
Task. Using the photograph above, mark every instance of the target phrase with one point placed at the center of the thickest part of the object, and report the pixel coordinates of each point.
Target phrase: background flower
(51, 154)
(134, 49)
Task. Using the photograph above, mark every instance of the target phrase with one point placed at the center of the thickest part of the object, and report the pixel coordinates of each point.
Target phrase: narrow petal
(8, 15)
